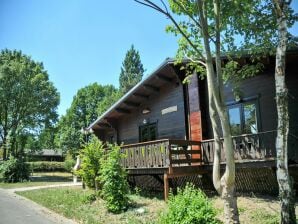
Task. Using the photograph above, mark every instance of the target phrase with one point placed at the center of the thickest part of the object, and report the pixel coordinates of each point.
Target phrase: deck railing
(161, 154)
(246, 147)
(167, 153)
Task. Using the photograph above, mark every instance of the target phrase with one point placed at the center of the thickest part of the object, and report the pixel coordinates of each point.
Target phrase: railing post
(170, 157)
(166, 185)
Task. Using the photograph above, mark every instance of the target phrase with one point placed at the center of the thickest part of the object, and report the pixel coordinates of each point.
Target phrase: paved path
(15, 209)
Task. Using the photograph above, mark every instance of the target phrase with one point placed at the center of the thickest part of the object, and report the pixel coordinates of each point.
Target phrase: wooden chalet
(165, 128)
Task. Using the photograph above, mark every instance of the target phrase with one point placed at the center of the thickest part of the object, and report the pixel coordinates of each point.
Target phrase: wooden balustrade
(246, 147)
(161, 154)
(167, 153)
(146, 154)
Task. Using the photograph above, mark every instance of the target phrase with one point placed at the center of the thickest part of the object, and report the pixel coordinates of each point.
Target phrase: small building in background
(46, 155)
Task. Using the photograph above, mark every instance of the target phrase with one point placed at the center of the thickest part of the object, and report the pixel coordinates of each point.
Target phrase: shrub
(14, 170)
(88, 198)
(115, 188)
(91, 156)
(46, 166)
(69, 163)
(189, 206)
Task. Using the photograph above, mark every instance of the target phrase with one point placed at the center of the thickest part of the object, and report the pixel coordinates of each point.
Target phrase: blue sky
(85, 41)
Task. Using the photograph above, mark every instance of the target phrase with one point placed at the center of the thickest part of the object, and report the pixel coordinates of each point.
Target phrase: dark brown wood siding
(169, 125)
(262, 88)
(292, 84)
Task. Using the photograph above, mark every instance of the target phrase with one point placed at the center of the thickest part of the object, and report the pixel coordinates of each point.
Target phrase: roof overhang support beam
(140, 95)
(131, 104)
(122, 111)
(151, 87)
(104, 125)
(164, 78)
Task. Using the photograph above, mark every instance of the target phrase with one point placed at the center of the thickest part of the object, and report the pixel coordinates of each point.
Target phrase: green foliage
(46, 166)
(82, 112)
(245, 27)
(89, 198)
(14, 170)
(131, 71)
(108, 101)
(189, 206)
(69, 163)
(115, 187)
(28, 99)
(91, 156)
(233, 73)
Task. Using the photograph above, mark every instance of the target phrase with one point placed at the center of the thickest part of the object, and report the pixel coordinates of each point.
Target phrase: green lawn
(40, 179)
(76, 203)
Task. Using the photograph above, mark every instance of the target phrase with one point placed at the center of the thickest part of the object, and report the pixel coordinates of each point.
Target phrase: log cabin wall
(169, 125)
(292, 84)
(262, 89)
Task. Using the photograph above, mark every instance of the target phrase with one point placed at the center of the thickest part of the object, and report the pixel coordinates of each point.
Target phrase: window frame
(147, 126)
(240, 105)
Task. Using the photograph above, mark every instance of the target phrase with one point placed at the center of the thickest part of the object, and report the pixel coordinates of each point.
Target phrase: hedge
(46, 166)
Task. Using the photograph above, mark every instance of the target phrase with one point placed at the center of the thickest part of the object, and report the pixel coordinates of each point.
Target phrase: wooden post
(166, 186)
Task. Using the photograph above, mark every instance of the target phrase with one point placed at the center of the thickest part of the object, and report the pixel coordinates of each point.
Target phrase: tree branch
(195, 61)
(167, 14)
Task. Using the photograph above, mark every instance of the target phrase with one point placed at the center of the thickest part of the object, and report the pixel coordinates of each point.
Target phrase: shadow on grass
(50, 178)
(151, 194)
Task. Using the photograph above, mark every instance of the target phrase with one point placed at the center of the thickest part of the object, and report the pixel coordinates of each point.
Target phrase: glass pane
(144, 134)
(250, 118)
(235, 120)
(152, 132)
(148, 132)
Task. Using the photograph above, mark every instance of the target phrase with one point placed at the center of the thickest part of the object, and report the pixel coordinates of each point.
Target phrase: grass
(40, 179)
(254, 210)
(77, 204)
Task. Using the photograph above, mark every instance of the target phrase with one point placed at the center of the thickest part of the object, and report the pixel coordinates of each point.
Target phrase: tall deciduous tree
(28, 99)
(287, 196)
(131, 71)
(83, 111)
(209, 28)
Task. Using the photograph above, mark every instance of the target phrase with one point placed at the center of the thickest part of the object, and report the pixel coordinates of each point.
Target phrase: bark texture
(224, 185)
(286, 193)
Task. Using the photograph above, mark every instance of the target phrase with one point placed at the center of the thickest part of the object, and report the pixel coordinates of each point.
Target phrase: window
(148, 132)
(243, 118)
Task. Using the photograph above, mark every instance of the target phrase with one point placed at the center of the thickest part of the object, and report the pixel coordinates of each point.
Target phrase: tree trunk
(4, 148)
(286, 193)
(231, 214)
(225, 185)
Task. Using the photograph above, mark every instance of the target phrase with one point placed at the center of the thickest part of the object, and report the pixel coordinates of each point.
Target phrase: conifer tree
(131, 71)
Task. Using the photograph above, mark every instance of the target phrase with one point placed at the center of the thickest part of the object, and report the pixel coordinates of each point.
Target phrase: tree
(286, 193)
(131, 71)
(83, 110)
(108, 101)
(28, 100)
(209, 28)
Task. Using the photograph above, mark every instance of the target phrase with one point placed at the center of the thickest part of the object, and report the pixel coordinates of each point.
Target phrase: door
(148, 132)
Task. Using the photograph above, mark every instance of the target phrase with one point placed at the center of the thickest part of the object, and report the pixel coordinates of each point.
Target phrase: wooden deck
(174, 158)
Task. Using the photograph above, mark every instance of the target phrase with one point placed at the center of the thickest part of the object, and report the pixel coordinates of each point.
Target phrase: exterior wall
(292, 84)
(262, 88)
(169, 125)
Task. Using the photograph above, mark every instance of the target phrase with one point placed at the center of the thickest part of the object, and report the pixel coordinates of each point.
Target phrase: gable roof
(165, 73)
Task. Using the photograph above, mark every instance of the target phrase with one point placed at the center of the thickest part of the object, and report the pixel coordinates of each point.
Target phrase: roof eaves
(123, 98)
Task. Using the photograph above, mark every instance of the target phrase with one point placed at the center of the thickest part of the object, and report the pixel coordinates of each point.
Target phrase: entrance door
(148, 132)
